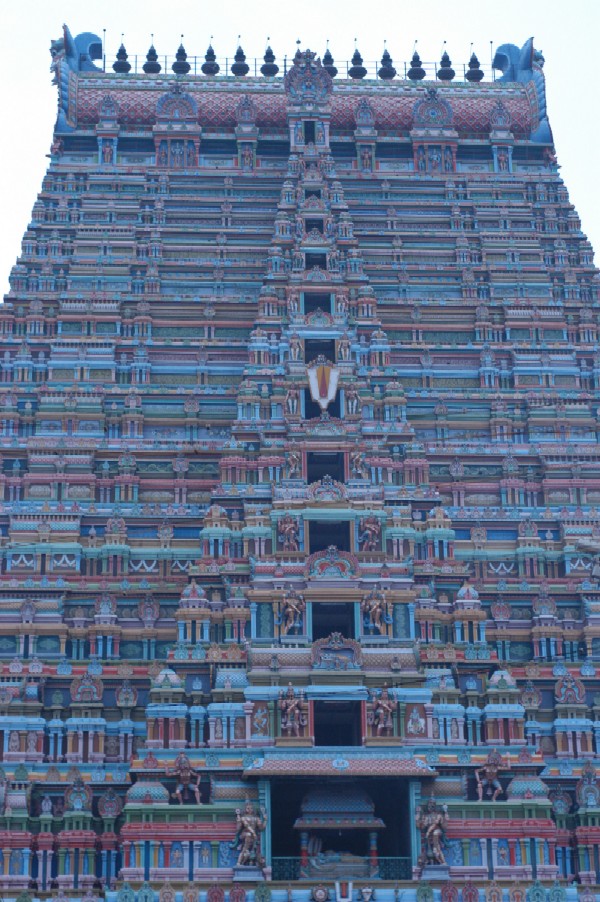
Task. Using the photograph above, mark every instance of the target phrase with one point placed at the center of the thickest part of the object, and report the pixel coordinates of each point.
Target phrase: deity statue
(381, 715)
(375, 611)
(435, 159)
(487, 777)
(369, 532)
(293, 717)
(250, 824)
(341, 305)
(188, 778)
(292, 610)
(358, 466)
(287, 529)
(292, 401)
(353, 402)
(295, 348)
(344, 348)
(247, 157)
(415, 725)
(294, 463)
(431, 821)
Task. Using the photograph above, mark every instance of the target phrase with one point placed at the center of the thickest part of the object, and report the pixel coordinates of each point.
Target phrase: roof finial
(357, 70)
(416, 71)
(474, 72)
(151, 66)
(328, 62)
(210, 65)
(121, 64)
(269, 67)
(240, 66)
(445, 72)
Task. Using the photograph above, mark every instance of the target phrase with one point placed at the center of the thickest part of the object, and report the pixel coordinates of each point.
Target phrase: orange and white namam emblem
(323, 382)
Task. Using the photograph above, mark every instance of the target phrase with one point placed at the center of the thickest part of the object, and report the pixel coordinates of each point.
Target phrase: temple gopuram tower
(300, 490)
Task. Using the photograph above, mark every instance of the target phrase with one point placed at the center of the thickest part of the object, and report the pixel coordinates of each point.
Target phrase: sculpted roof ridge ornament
(432, 111)
(525, 66)
(177, 105)
(307, 82)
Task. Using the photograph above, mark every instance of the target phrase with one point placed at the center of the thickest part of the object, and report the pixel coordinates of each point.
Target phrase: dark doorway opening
(317, 301)
(314, 224)
(318, 260)
(318, 347)
(309, 131)
(312, 409)
(322, 534)
(324, 463)
(337, 723)
(313, 192)
(332, 617)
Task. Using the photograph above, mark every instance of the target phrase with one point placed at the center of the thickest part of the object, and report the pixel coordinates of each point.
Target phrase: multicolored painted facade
(300, 492)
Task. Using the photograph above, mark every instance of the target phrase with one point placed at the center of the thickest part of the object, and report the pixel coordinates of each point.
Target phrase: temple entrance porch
(341, 829)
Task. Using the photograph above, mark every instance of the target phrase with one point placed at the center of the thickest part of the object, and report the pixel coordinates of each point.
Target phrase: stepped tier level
(300, 513)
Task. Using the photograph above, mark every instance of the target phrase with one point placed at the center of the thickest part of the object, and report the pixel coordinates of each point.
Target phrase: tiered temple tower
(300, 493)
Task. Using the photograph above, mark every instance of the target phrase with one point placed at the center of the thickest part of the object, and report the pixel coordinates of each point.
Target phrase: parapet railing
(386, 868)
(254, 64)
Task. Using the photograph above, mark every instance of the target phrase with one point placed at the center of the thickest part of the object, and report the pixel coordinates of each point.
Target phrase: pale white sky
(566, 32)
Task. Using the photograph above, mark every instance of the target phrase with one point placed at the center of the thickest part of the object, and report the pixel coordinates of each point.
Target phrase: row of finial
(240, 67)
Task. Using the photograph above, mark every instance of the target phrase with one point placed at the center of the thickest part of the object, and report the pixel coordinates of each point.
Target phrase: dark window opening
(327, 463)
(136, 145)
(313, 411)
(318, 260)
(314, 302)
(345, 150)
(316, 347)
(273, 149)
(332, 617)
(337, 723)
(309, 131)
(313, 192)
(314, 224)
(219, 147)
(322, 534)
(79, 144)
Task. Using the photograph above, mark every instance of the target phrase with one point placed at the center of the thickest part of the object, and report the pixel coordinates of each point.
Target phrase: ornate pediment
(332, 564)
(307, 83)
(336, 653)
